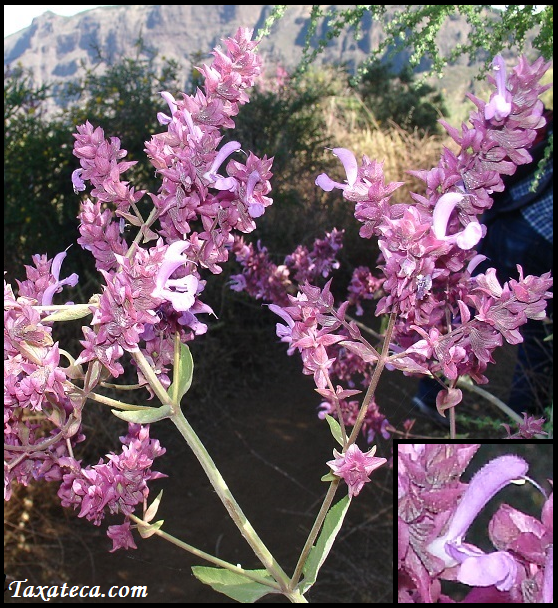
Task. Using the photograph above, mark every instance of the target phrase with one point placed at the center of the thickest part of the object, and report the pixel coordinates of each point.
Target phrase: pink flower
(181, 293)
(475, 567)
(465, 239)
(355, 467)
(351, 169)
(57, 286)
(500, 103)
(121, 536)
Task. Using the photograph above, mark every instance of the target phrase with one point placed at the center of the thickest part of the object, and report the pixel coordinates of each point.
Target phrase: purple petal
(485, 484)
(57, 264)
(497, 568)
(349, 162)
(78, 183)
(499, 66)
(326, 183)
(469, 237)
(285, 316)
(499, 107)
(442, 212)
(228, 149)
(475, 261)
(170, 100)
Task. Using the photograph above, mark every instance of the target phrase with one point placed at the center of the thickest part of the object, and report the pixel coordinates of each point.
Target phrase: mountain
(55, 47)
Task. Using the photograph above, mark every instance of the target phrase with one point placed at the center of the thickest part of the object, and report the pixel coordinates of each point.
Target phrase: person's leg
(531, 389)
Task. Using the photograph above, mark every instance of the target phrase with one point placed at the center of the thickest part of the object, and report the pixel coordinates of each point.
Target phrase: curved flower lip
(55, 271)
(468, 237)
(163, 118)
(475, 567)
(183, 294)
(255, 209)
(349, 162)
(219, 182)
(77, 182)
(482, 570)
(475, 261)
(485, 484)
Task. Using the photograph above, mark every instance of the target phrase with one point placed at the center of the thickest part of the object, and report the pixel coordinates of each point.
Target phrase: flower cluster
(449, 322)
(276, 285)
(115, 486)
(264, 280)
(355, 467)
(35, 381)
(150, 295)
(435, 511)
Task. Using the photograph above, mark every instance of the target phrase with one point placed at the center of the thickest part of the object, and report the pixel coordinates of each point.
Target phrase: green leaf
(335, 429)
(147, 531)
(182, 375)
(332, 524)
(152, 510)
(238, 587)
(145, 415)
(76, 311)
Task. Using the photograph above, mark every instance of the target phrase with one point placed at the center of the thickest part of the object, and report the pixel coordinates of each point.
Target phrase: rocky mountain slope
(55, 47)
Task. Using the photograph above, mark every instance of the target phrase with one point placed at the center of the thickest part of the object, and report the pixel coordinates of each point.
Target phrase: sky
(17, 17)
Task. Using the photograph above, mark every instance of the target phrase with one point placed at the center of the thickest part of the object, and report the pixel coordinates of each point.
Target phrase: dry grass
(399, 150)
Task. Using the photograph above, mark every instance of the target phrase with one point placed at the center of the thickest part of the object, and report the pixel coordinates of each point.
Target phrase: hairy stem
(228, 500)
(208, 557)
(374, 382)
(314, 532)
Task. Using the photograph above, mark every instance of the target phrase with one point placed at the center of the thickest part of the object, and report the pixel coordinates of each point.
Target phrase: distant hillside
(54, 47)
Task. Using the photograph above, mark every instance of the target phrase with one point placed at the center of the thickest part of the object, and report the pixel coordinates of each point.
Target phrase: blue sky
(16, 17)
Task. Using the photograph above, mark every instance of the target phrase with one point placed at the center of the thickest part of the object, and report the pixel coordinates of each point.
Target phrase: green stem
(314, 532)
(151, 377)
(117, 404)
(452, 422)
(374, 382)
(233, 508)
(338, 409)
(469, 386)
(356, 429)
(208, 557)
(143, 230)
